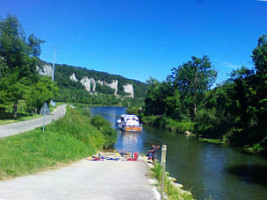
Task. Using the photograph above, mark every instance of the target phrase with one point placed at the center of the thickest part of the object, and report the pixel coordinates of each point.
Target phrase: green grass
(69, 139)
(173, 192)
(212, 141)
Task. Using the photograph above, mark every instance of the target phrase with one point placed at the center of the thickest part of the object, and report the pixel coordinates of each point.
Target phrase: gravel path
(20, 127)
(93, 180)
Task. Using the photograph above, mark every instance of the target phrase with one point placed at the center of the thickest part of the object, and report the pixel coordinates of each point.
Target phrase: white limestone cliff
(89, 84)
(73, 77)
(93, 82)
(113, 85)
(128, 88)
(45, 71)
(100, 82)
(86, 83)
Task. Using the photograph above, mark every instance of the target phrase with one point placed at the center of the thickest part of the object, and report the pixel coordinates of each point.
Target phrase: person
(152, 152)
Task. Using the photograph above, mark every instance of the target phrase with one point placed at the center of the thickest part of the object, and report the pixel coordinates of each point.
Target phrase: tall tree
(193, 79)
(260, 60)
(18, 59)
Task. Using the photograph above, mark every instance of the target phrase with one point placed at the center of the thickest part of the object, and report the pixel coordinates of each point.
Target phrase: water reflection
(206, 169)
(129, 141)
(250, 173)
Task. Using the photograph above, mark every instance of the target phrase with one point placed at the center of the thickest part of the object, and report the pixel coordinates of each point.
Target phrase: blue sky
(142, 38)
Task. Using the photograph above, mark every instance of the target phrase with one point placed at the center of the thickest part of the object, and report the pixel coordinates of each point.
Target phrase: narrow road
(20, 127)
(92, 180)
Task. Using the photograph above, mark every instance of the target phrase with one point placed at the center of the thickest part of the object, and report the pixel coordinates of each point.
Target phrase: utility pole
(53, 74)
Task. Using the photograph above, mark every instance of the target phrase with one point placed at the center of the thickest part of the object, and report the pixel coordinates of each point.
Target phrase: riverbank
(189, 128)
(172, 189)
(64, 141)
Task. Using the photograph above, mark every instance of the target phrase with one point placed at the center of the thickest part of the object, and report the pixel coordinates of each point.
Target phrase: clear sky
(142, 38)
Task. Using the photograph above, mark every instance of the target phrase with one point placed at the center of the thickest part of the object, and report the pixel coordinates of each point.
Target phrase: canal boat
(129, 123)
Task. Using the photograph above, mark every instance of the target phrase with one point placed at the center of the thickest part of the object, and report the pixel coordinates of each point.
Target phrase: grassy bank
(212, 141)
(69, 139)
(168, 123)
(173, 191)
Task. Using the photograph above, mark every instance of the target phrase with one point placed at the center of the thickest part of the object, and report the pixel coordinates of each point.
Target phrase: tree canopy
(234, 111)
(18, 61)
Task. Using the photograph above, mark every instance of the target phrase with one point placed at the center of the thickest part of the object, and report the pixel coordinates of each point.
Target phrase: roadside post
(44, 111)
(163, 163)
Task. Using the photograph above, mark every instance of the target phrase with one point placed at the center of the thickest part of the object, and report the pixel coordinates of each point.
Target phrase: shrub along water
(168, 123)
(109, 133)
(71, 138)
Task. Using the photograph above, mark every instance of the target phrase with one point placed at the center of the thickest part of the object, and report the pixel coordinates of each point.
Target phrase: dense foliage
(234, 111)
(71, 91)
(104, 126)
(18, 77)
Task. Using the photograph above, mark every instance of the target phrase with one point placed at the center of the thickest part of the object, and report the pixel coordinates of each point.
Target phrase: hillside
(89, 86)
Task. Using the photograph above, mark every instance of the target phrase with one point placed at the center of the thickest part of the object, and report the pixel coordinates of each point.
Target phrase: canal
(207, 170)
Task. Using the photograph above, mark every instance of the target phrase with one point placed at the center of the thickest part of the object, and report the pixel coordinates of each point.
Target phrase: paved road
(19, 127)
(93, 180)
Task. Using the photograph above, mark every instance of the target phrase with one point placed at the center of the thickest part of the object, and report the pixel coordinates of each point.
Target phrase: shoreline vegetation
(187, 128)
(66, 140)
(233, 112)
(172, 189)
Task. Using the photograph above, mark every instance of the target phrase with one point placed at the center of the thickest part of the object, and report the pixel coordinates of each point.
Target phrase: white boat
(129, 123)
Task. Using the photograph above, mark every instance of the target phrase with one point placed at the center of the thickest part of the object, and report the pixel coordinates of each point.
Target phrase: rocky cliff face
(113, 85)
(45, 71)
(128, 88)
(89, 83)
(73, 77)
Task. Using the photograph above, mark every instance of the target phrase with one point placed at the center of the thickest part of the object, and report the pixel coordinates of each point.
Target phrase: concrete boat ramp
(94, 180)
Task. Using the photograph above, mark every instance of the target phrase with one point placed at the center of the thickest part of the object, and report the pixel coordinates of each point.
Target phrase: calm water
(207, 170)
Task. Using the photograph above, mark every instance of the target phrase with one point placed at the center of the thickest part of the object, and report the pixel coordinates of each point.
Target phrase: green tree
(259, 58)
(193, 79)
(161, 99)
(18, 60)
(39, 93)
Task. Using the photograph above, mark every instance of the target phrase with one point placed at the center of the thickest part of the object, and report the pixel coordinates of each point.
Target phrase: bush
(168, 123)
(150, 120)
(180, 127)
(99, 122)
(133, 110)
(74, 123)
(109, 133)
(86, 112)
(210, 124)
(110, 137)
